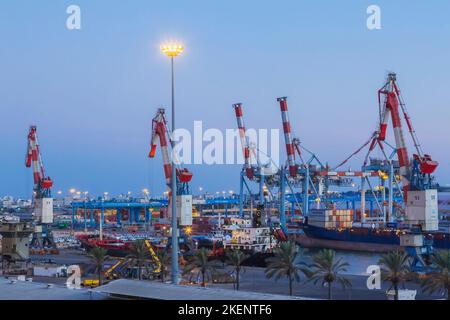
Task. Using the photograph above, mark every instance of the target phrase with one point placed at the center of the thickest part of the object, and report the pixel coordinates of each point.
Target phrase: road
(254, 279)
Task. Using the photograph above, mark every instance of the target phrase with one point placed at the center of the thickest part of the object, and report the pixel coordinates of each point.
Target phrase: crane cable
(356, 152)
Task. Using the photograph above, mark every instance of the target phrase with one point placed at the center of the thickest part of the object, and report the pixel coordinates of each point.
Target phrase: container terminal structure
(397, 196)
(399, 188)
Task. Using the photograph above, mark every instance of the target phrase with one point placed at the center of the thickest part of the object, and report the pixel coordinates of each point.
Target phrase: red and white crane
(288, 137)
(293, 147)
(393, 102)
(244, 141)
(42, 184)
(161, 132)
(43, 203)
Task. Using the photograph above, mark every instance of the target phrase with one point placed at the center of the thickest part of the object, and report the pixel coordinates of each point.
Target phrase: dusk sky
(93, 92)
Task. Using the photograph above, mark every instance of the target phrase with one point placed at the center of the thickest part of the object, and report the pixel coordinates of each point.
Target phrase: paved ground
(253, 279)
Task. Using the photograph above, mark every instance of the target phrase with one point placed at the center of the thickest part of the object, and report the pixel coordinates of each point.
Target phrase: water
(358, 261)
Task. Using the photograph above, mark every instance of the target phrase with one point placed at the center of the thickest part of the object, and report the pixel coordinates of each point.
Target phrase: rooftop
(162, 291)
(25, 290)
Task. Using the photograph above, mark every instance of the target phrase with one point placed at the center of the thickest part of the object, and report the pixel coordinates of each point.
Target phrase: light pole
(85, 211)
(173, 50)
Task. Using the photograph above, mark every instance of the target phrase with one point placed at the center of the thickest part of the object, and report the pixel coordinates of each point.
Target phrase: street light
(85, 210)
(172, 50)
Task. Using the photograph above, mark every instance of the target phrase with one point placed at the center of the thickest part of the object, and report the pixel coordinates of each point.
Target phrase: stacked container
(330, 219)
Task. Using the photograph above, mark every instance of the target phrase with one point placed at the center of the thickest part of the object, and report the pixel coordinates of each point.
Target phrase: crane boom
(154, 256)
(288, 137)
(418, 172)
(183, 176)
(244, 141)
(159, 131)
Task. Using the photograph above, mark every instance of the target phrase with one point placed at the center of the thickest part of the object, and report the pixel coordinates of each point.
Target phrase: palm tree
(200, 263)
(395, 268)
(139, 253)
(327, 269)
(283, 263)
(235, 258)
(165, 259)
(99, 256)
(439, 279)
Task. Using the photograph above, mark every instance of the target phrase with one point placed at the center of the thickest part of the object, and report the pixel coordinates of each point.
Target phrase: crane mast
(244, 141)
(391, 109)
(288, 137)
(415, 172)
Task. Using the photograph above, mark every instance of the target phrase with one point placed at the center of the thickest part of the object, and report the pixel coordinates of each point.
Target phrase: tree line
(325, 269)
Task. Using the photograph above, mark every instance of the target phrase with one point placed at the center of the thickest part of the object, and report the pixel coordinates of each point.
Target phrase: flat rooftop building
(133, 289)
(13, 289)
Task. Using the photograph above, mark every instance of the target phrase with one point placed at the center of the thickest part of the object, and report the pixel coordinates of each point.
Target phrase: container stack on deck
(330, 218)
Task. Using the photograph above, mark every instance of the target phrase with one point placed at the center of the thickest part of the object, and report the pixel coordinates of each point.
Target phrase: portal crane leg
(283, 201)
(241, 194)
(305, 191)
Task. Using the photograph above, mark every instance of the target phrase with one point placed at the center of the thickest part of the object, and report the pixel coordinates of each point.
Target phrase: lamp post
(85, 211)
(173, 50)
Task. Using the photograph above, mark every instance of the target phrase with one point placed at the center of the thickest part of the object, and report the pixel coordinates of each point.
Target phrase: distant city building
(8, 202)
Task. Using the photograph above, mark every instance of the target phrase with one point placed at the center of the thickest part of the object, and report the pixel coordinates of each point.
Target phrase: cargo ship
(326, 230)
(361, 238)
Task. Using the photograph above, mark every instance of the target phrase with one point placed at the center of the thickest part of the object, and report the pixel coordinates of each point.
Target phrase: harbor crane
(42, 198)
(418, 187)
(412, 176)
(415, 174)
(313, 177)
(161, 132)
(257, 173)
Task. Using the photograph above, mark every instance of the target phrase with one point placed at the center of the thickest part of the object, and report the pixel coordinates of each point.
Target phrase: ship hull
(359, 239)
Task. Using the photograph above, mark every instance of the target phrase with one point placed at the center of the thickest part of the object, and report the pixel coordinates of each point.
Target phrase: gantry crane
(161, 132)
(42, 198)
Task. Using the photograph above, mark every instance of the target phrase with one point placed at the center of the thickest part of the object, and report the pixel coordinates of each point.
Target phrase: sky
(93, 92)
